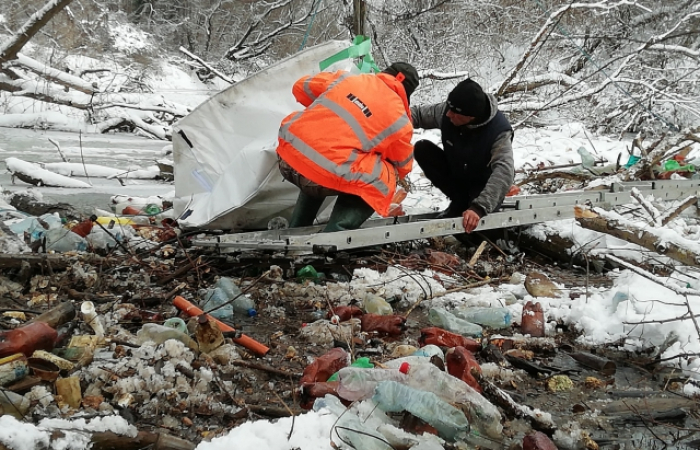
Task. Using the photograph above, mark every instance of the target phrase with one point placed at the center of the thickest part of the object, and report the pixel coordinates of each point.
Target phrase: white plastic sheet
(225, 164)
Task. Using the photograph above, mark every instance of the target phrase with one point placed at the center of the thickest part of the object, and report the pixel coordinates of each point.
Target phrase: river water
(113, 150)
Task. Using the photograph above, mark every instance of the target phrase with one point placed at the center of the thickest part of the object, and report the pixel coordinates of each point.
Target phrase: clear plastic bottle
(444, 319)
(350, 428)
(63, 240)
(495, 318)
(214, 297)
(391, 396)
(482, 414)
(13, 404)
(244, 306)
(160, 333)
(359, 384)
(375, 304)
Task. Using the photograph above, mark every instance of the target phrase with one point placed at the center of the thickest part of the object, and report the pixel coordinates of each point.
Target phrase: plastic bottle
(359, 384)
(244, 306)
(13, 404)
(63, 240)
(228, 286)
(444, 319)
(532, 320)
(215, 297)
(482, 414)
(350, 428)
(462, 364)
(495, 318)
(450, 422)
(375, 304)
(160, 333)
(360, 363)
(26, 339)
(444, 338)
(83, 228)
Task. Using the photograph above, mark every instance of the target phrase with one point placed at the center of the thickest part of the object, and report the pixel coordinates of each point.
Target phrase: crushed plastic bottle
(391, 396)
(215, 297)
(360, 363)
(375, 304)
(359, 384)
(496, 318)
(350, 428)
(444, 338)
(482, 414)
(445, 319)
(325, 365)
(62, 240)
(462, 364)
(244, 306)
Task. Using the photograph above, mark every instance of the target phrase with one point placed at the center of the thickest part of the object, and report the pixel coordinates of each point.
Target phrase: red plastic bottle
(83, 228)
(533, 320)
(26, 339)
(462, 364)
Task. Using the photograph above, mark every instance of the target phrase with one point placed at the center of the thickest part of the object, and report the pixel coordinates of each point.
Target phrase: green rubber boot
(305, 210)
(349, 213)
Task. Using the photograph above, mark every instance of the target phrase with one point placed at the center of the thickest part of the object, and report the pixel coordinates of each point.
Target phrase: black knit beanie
(410, 79)
(468, 99)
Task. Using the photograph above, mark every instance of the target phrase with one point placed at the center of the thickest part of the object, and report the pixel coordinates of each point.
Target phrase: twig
(257, 366)
(58, 147)
(80, 141)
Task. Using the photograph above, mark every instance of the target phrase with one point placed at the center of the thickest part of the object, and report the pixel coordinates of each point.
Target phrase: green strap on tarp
(360, 50)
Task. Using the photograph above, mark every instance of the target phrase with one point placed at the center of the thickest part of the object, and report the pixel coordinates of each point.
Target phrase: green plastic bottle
(362, 363)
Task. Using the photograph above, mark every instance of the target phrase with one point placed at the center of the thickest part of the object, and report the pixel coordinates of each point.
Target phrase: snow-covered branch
(10, 48)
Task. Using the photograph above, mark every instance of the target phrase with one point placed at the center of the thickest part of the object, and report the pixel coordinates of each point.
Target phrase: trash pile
(178, 345)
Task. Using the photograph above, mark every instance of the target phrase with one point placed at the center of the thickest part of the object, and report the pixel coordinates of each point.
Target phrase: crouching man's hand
(470, 219)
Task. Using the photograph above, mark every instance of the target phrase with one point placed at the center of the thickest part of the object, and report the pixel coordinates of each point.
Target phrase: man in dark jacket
(474, 169)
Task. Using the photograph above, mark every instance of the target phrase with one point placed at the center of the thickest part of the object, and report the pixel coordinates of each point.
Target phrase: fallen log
(636, 235)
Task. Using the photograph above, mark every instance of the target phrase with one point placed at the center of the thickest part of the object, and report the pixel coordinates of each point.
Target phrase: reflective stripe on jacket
(353, 137)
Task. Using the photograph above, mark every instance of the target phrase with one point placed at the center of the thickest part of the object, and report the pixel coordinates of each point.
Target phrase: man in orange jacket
(353, 141)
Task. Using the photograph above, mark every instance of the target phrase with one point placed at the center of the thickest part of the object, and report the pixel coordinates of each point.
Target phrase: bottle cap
(404, 367)
(252, 312)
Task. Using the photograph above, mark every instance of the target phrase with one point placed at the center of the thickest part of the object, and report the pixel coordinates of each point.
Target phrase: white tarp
(225, 164)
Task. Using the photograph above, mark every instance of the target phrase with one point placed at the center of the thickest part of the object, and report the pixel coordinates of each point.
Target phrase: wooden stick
(477, 253)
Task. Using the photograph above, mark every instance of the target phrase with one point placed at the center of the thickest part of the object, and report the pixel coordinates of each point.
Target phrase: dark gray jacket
(499, 165)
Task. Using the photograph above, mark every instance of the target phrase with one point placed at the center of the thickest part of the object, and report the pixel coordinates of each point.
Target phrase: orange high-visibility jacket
(354, 136)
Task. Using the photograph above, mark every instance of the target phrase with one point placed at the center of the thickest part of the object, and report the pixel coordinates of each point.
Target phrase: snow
(637, 311)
